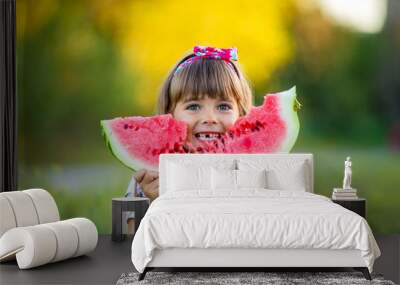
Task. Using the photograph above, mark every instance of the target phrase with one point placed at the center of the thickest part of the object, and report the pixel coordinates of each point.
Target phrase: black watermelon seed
(176, 147)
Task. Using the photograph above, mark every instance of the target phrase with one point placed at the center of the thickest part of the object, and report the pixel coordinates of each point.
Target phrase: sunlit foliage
(153, 35)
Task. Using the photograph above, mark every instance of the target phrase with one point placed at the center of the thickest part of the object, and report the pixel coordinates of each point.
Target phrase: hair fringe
(214, 78)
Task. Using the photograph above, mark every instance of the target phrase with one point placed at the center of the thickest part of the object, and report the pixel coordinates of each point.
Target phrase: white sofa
(152, 246)
(31, 231)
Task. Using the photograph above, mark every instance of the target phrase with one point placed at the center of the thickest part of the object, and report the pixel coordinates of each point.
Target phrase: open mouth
(207, 136)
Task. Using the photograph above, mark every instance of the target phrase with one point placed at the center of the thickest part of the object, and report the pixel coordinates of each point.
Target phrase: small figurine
(347, 174)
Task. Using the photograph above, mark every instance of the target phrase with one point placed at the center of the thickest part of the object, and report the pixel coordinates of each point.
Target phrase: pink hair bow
(226, 54)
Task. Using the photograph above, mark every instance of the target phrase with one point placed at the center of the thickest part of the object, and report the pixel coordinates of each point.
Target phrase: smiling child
(208, 92)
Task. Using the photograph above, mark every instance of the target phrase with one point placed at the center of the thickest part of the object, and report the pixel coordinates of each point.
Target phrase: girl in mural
(208, 91)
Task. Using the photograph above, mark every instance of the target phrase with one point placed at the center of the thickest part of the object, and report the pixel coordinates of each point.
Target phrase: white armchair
(31, 230)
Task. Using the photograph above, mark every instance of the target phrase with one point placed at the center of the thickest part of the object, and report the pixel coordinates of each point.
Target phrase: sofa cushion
(26, 208)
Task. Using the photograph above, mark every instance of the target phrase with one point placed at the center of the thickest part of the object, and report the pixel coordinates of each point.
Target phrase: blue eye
(224, 107)
(193, 107)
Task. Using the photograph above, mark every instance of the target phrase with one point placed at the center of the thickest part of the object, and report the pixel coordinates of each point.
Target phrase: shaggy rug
(229, 278)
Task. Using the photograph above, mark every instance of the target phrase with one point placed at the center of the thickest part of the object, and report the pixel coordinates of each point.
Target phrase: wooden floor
(110, 260)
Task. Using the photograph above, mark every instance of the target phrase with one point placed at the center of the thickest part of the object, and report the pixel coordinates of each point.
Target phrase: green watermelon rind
(289, 116)
(119, 151)
(287, 113)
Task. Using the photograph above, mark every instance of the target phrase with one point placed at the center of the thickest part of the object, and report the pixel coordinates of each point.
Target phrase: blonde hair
(215, 78)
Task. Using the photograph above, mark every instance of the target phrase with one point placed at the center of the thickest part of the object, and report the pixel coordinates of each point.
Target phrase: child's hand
(148, 181)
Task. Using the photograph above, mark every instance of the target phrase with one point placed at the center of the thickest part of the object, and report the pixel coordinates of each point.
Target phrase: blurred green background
(80, 61)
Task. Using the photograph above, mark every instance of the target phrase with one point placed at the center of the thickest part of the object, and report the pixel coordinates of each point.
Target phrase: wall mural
(80, 62)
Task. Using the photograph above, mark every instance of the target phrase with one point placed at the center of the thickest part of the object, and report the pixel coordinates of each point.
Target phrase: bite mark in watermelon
(270, 128)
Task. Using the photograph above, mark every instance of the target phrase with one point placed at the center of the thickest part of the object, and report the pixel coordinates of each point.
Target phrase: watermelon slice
(270, 128)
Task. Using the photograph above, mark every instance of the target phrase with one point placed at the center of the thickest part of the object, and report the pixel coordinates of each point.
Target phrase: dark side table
(122, 208)
(358, 205)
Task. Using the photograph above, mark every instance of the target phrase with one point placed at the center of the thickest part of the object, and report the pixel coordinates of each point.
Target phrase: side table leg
(116, 221)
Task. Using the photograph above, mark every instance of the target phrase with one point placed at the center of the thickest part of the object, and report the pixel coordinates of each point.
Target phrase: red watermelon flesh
(138, 141)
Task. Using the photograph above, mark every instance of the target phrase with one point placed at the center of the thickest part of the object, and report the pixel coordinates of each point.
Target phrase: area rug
(230, 278)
